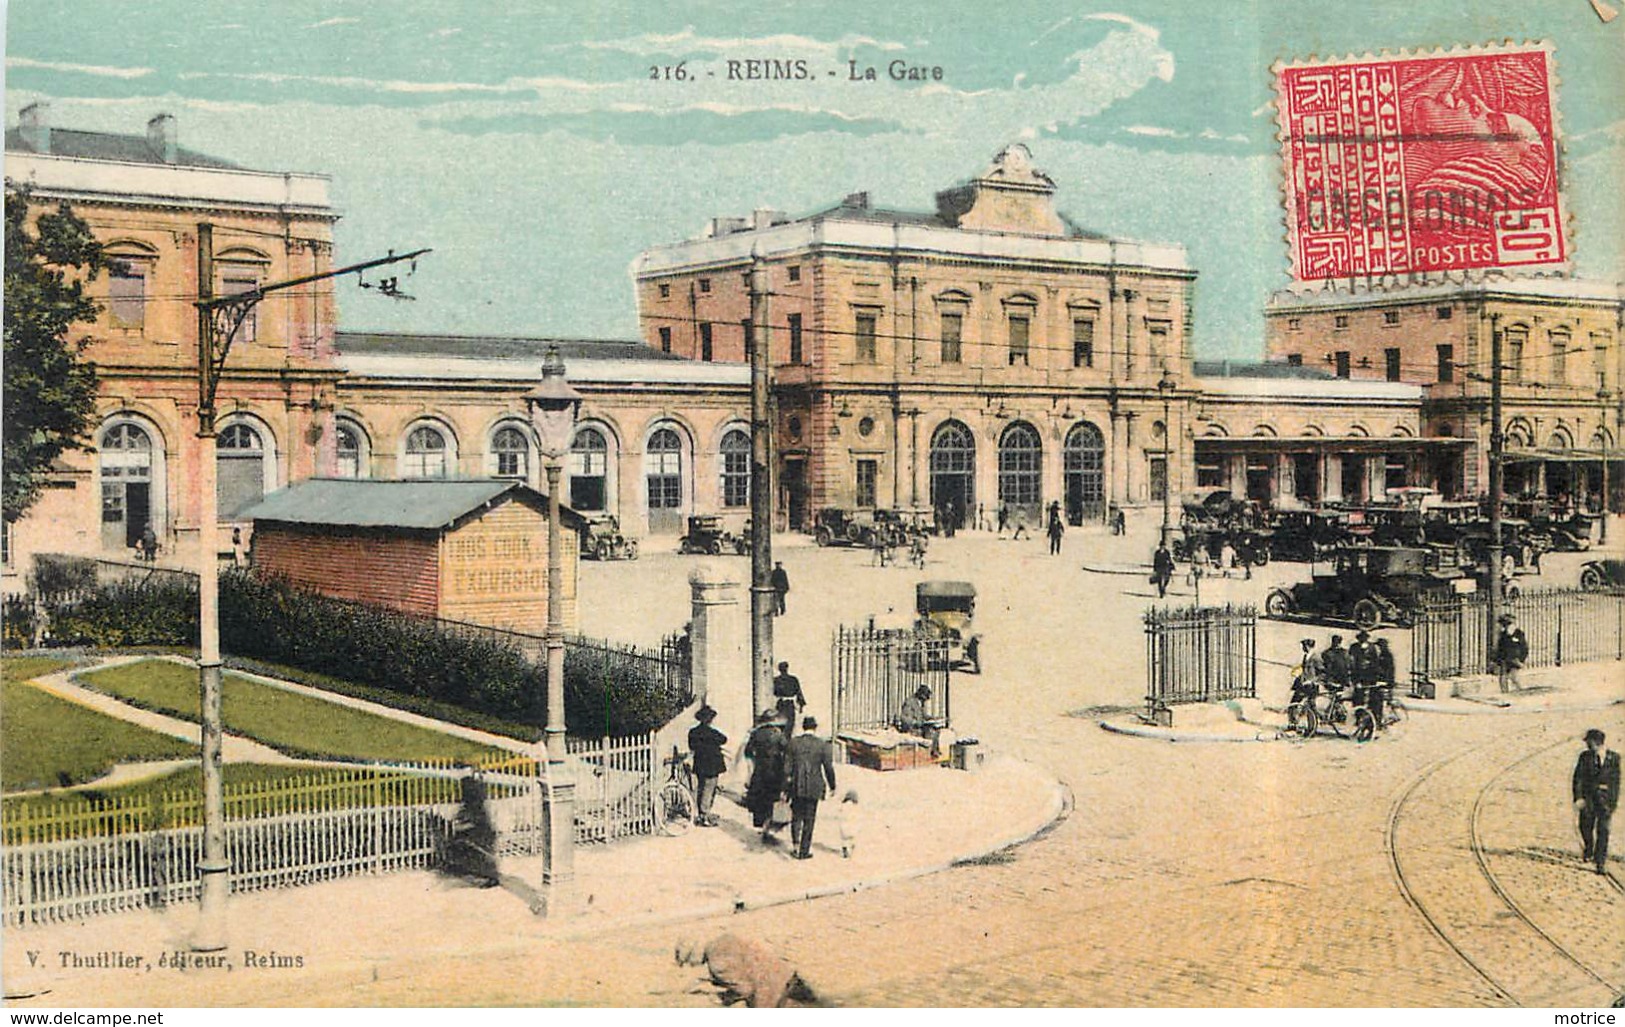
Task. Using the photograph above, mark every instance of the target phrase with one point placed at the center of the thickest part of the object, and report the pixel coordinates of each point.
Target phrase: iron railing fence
(872, 670)
(66, 858)
(1200, 654)
(1452, 635)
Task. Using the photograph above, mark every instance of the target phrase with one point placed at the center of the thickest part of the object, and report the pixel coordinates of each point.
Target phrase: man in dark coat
(706, 743)
(1339, 668)
(1511, 650)
(1363, 660)
(791, 700)
(1162, 569)
(765, 750)
(812, 766)
(1596, 795)
(1055, 530)
(1384, 674)
(780, 580)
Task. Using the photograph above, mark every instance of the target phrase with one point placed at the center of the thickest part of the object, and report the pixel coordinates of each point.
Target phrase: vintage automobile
(1307, 535)
(1551, 528)
(1518, 550)
(1601, 575)
(601, 539)
(708, 533)
(947, 608)
(1371, 585)
(838, 526)
(1218, 518)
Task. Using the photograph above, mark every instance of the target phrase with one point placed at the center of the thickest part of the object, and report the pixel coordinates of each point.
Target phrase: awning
(1340, 443)
(1561, 456)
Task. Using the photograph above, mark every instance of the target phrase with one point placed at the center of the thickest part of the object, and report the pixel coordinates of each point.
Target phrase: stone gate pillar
(721, 649)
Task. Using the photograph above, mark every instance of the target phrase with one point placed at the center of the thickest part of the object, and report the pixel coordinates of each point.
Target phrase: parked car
(1370, 586)
(601, 539)
(1308, 535)
(838, 526)
(1600, 575)
(948, 609)
(708, 533)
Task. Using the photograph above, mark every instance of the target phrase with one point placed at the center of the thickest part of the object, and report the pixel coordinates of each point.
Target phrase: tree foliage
(50, 390)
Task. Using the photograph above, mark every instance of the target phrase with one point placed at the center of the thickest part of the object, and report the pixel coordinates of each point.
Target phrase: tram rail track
(1481, 936)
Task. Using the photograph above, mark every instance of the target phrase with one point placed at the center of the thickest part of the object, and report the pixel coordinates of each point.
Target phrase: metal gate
(1200, 654)
(872, 670)
(1452, 635)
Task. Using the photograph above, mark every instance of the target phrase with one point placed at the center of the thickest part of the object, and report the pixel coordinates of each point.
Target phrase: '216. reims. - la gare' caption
(794, 70)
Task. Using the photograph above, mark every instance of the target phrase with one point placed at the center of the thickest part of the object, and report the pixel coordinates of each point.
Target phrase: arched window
(425, 453)
(350, 444)
(735, 468)
(953, 474)
(510, 451)
(663, 477)
(125, 456)
(589, 471)
(241, 465)
(1021, 471)
(1084, 463)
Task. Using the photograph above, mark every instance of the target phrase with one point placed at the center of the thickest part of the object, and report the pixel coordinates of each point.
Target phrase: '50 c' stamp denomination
(1411, 164)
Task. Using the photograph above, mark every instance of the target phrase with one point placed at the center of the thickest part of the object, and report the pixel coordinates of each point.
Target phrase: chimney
(34, 125)
(766, 217)
(858, 200)
(161, 137)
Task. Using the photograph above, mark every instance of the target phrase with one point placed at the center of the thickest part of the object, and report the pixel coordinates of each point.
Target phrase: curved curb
(1117, 568)
(1060, 806)
(1163, 734)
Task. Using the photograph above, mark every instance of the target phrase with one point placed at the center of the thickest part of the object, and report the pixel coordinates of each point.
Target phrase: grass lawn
(296, 724)
(46, 742)
(22, 668)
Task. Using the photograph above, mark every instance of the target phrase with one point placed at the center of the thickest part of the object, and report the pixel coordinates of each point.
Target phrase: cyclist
(1363, 656)
(1339, 667)
(1384, 661)
(1310, 671)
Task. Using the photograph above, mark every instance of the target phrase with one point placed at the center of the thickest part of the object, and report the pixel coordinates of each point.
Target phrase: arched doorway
(589, 470)
(241, 461)
(663, 475)
(953, 473)
(1084, 464)
(1021, 478)
(125, 456)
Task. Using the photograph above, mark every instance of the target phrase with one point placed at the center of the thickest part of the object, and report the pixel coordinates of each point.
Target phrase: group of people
(1365, 670)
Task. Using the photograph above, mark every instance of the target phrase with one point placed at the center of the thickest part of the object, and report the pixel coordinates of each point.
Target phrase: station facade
(989, 352)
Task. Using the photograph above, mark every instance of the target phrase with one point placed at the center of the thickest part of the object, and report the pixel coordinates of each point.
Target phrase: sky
(540, 148)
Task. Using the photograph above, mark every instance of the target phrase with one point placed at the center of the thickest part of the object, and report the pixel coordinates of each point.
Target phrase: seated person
(912, 719)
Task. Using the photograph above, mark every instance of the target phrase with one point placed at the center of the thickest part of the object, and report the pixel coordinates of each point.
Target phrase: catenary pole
(761, 495)
(1497, 445)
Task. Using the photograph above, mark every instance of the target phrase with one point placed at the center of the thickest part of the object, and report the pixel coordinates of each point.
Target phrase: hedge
(614, 692)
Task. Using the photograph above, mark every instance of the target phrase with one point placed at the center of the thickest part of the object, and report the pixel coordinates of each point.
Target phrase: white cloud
(1153, 130)
(330, 22)
(100, 70)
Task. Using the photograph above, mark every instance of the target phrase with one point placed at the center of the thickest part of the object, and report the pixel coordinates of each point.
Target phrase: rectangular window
(793, 272)
(1560, 360)
(705, 340)
(1020, 327)
(1393, 473)
(665, 290)
(1447, 362)
(744, 328)
(1340, 321)
(1342, 360)
(795, 338)
(866, 338)
(665, 340)
(240, 282)
(5, 542)
(953, 337)
(1294, 323)
(1158, 343)
(1442, 313)
(1512, 359)
(1390, 358)
(1083, 342)
(1390, 317)
(1159, 478)
(1209, 473)
(705, 285)
(868, 472)
(1294, 360)
(735, 478)
(127, 294)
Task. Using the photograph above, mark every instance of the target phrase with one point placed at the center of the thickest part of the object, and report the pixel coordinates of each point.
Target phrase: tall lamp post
(1166, 387)
(553, 405)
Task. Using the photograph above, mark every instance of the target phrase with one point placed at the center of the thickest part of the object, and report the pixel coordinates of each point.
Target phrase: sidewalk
(1589, 686)
(909, 823)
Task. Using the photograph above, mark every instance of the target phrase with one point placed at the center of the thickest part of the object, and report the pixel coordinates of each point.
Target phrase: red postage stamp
(1428, 163)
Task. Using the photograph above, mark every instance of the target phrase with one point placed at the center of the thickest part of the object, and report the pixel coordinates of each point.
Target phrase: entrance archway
(1021, 480)
(953, 473)
(1084, 464)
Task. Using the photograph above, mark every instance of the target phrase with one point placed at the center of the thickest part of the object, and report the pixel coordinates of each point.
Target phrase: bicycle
(675, 808)
(1393, 713)
(1325, 706)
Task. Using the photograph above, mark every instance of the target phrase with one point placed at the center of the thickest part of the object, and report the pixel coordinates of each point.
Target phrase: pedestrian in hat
(789, 697)
(766, 752)
(1596, 795)
(706, 743)
(812, 766)
(1363, 656)
(1310, 670)
(780, 580)
(1511, 651)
